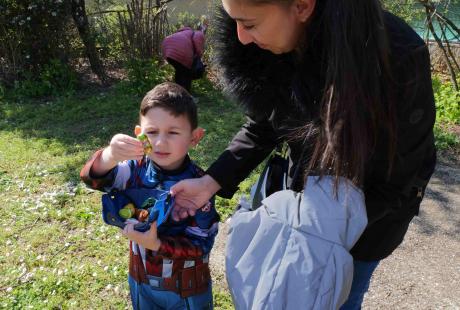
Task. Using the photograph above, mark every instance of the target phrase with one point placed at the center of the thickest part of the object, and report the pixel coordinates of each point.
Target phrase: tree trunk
(81, 21)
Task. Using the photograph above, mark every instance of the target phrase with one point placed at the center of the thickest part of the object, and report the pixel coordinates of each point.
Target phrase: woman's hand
(192, 194)
(148, 239)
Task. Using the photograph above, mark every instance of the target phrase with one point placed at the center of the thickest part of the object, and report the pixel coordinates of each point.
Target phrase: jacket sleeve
(114, 178)
(96, 182)
(415, 152)
(174, 247)
(250, 146)
(186, 247)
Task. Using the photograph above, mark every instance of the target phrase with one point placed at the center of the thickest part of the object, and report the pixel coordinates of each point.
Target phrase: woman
(356, 80)
(180, 49)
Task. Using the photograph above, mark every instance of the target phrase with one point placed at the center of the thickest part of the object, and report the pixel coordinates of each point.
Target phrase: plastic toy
(144, 139)
(130, 211)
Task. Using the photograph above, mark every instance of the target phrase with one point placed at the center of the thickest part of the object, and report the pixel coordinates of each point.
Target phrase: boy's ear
(137, 130)
(197, 135)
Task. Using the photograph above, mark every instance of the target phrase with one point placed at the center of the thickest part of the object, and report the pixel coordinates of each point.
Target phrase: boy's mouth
(161, 154)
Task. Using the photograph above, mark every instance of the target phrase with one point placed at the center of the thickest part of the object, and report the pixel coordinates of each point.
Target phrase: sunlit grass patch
(56, 252)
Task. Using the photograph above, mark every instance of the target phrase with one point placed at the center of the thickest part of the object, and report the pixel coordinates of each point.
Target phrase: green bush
(107, 34)
(143, 75)
(445, 139)
(186, 19)
(55, 78)
(447, 102)
(447, 114)
(32, 33)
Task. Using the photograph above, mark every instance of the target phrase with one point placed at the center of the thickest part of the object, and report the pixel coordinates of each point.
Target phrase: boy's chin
(167, 165)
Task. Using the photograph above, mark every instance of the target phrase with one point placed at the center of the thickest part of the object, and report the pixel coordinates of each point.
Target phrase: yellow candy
(127, 211)
(145, 142)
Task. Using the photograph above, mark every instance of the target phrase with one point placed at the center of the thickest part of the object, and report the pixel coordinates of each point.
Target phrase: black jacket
(274, 90)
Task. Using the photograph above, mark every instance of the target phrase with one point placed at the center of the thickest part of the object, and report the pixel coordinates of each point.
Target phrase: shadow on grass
(85, 122)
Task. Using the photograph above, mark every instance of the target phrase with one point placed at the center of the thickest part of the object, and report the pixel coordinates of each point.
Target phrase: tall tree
(81, 21)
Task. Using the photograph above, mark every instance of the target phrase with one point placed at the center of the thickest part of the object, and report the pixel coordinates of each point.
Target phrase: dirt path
(424, 272)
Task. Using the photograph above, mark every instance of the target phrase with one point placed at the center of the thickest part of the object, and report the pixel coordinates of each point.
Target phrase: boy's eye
(173, 133)
(152, 132)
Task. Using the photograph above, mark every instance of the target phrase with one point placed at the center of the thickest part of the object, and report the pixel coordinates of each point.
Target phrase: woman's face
(274, 27)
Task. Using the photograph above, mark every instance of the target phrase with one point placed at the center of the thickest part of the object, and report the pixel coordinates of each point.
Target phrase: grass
(56, 251)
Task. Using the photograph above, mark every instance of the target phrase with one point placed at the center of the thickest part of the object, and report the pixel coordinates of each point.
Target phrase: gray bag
(293, 251)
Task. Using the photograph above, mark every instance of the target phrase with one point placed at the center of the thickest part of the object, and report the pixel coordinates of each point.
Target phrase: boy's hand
(148, 239)
(123, 147)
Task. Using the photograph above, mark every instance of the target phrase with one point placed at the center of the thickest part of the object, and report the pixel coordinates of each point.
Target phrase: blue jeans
(362, 273)
(144, 297)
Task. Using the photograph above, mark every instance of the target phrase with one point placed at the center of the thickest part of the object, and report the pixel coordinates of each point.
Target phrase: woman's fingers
(190, 195)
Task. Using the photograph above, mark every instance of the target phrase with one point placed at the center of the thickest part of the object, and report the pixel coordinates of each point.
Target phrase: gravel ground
(424, 272)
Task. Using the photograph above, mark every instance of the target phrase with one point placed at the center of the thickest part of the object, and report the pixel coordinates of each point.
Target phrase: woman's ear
(197, 135)
(304, 9)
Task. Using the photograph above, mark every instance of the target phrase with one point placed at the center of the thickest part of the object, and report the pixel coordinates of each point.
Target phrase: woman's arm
(250, 146)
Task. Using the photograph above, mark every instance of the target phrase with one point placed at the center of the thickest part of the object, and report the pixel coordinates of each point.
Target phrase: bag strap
(280, 150)
(257, 201)
(299, 163)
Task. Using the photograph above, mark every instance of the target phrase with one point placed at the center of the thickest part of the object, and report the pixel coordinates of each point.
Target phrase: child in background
(168, 267)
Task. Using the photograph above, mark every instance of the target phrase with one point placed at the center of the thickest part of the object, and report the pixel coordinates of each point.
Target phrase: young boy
(168, 269)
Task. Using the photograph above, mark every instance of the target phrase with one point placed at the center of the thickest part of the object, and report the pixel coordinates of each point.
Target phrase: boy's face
(170, 137)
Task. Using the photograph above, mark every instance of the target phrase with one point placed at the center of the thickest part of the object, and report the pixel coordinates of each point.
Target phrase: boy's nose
(158, 141)
(243, 35)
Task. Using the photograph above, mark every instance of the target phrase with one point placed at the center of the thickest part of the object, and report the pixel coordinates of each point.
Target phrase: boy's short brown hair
(174, 99)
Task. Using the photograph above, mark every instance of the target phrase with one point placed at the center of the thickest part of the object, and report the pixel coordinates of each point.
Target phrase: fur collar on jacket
(252, 76)
(261, 81)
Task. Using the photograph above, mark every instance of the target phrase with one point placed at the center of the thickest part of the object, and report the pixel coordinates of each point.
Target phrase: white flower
(53, 13)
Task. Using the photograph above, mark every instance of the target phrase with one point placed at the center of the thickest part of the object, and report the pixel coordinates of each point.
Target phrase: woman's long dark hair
(357, 104)
(357, 108)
